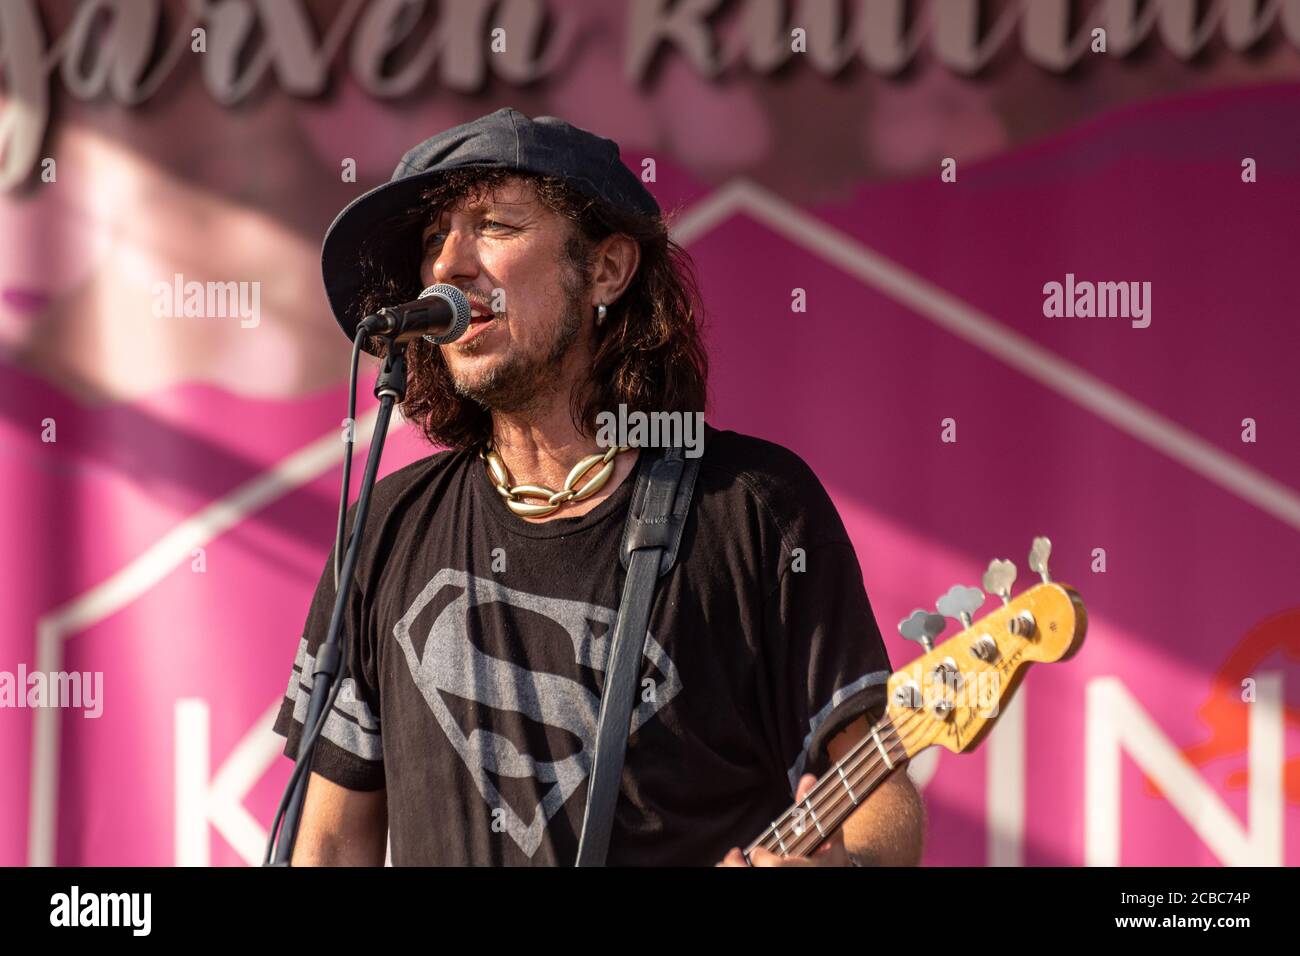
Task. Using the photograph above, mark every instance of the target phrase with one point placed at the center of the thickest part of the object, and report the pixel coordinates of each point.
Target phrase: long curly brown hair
(649, 353)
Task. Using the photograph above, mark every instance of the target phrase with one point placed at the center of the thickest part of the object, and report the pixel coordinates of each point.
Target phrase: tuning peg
(923, 627)
(960, 602)
(999, 578)
(1038, 555)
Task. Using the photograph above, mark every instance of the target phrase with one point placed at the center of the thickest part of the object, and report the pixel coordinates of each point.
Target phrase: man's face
(507, 249)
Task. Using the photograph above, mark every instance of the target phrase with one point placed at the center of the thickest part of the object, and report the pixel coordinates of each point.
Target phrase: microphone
(441, 314)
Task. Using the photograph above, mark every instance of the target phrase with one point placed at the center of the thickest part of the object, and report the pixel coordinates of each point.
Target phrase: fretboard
(808, 823)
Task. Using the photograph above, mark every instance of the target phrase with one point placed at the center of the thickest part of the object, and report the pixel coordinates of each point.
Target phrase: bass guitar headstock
(951, 695)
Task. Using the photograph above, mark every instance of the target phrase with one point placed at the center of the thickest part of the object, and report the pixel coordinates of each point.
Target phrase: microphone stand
(390, 388)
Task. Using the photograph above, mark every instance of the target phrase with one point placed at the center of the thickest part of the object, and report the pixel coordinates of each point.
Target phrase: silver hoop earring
(601, 312)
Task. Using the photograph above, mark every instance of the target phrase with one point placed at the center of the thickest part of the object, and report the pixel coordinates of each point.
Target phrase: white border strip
(140, 575)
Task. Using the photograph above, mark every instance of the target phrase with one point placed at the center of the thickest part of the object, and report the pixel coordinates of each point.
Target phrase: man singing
(479, 620)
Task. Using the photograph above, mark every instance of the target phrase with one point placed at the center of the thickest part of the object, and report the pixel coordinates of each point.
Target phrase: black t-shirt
(477, 644)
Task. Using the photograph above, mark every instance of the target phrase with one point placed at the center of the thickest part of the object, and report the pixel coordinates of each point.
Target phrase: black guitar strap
(651, 536)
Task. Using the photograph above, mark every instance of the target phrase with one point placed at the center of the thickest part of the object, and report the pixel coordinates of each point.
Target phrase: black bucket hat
(506, 139)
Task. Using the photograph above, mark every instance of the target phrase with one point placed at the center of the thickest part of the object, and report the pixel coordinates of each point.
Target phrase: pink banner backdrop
(171, 533)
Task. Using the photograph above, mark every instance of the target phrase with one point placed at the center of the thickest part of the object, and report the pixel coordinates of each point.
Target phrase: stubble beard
(520, 383)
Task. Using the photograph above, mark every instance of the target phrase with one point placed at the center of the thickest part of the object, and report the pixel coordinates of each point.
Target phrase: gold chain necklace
(515, 495)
